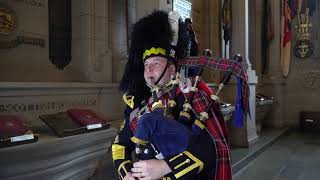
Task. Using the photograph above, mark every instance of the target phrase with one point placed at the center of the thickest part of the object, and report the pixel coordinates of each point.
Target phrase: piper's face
(153, 68)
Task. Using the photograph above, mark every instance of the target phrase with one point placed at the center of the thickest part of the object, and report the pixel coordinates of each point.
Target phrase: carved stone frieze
(47, 105)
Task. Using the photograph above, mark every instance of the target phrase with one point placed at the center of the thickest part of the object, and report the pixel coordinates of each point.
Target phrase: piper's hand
(150, 169)
(129, 176)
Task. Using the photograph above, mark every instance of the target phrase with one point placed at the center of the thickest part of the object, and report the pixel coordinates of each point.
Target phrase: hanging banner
(60, 34)
(286, 34)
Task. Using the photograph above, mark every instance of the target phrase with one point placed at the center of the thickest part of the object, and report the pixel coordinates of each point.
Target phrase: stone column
(240, 45)
(273, 82)
(144, 7)
(90, 52)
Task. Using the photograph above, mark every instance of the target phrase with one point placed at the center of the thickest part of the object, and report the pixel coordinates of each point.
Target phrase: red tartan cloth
(85, 117)
(11, 126)
(217, 127)
(134, 124)
(237, 68)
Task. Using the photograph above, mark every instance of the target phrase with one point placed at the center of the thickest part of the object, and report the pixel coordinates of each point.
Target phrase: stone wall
(297, 92)
(118, 41)
(98, 43)
(28, 62)
(206, 23)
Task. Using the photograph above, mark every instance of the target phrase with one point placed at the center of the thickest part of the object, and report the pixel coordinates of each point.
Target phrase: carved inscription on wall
(47, 105)
(311, 78)
(22, 40)
(34, 3)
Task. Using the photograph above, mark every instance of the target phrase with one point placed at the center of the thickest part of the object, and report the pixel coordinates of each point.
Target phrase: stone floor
(242, 156)
(293, 157)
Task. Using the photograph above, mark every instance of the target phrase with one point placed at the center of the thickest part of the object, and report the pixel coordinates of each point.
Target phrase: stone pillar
(240, 45)
(212, 35)
(90, 51)
(144, 7)
(273, 82)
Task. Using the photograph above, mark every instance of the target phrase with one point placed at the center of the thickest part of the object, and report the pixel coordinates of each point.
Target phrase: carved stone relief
(58, 105)
(35, 3)
(310, 78)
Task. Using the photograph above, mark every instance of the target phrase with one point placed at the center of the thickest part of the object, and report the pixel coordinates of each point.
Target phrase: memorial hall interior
(57, 55)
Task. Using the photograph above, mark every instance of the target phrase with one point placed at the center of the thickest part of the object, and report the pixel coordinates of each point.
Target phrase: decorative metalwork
(303, 48)
(7, 21)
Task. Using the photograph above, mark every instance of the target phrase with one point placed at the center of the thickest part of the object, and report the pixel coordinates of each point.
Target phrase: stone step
(242, 156)
(293, 157)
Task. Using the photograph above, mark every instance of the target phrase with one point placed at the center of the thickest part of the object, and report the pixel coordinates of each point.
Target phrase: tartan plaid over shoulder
(216, 128)
(238, 69)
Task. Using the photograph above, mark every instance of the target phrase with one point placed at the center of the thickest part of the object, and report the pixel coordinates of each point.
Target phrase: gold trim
(181, 164)
(172, 103)
(186, 114)
(175, 157)
(156, 105)
(197, 163)
(154, 51)
(118, 152)
(138, 141)
(128, 99)
(198, 123)
(122, 166)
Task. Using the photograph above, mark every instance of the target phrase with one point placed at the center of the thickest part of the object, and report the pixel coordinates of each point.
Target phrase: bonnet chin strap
(164, 71)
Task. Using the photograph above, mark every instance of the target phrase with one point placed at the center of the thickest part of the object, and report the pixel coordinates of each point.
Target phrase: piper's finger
(145, 178)
(138, 164)
(137, 175)
(144, 174)
(139, 170)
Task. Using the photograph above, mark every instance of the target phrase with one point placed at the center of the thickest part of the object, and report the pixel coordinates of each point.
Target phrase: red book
(85, 117)
(11, 126)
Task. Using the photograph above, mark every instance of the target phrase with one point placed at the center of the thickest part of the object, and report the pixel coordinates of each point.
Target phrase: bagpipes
(167, 136)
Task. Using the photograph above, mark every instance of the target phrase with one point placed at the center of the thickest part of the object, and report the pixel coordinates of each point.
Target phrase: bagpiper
(173, 126)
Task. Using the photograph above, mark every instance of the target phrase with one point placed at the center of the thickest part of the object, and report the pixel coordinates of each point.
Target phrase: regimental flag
(286, 35)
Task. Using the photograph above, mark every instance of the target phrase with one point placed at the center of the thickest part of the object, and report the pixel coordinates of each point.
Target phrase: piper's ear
(172, 68)
(174, 23)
